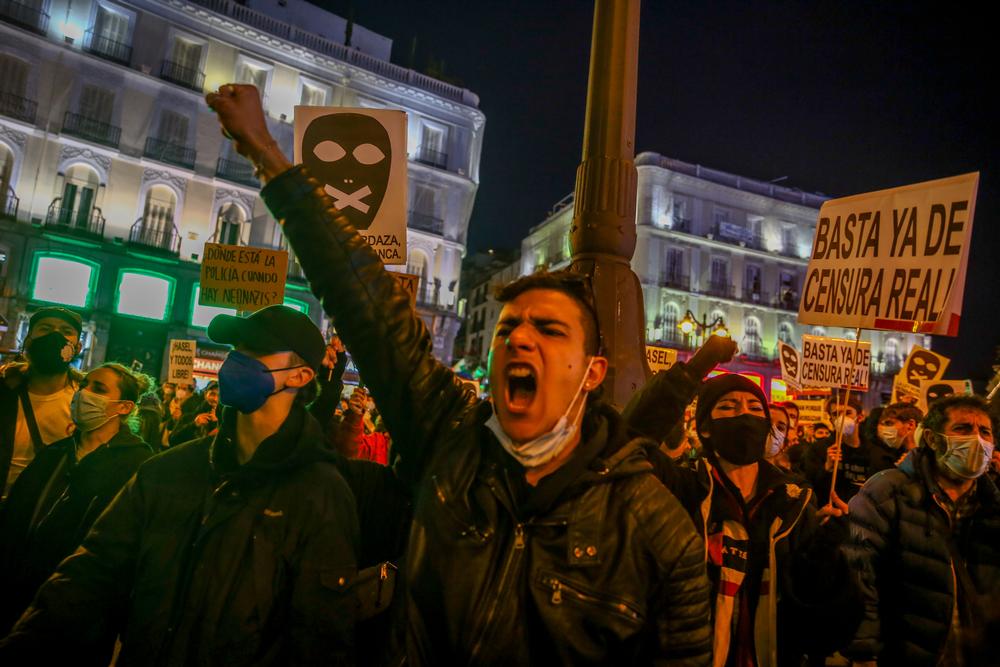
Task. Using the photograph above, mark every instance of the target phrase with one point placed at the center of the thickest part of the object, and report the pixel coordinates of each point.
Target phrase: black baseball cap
(272, 329)
(63, 314)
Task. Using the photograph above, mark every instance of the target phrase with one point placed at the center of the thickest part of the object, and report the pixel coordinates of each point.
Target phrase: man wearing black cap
(778, 581)
(34, 397)
(234, 549)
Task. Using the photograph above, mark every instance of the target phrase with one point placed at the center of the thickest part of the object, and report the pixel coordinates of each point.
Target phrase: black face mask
(50, 354)
(739, 440)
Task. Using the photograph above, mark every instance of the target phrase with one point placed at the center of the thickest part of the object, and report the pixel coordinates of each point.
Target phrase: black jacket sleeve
(331, 384)
(660, 403)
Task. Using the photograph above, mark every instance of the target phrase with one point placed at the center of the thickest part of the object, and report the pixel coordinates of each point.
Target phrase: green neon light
(296, 287)
(63, 279)
(70, 240)
(300, 306)
(144, 294)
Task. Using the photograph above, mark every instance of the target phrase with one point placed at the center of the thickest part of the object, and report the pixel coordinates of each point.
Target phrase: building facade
(725, 248)
(480, 307)
(114, 174)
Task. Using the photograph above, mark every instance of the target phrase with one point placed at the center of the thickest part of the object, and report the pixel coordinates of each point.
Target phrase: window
(681, 216)
(671, 315)
(818, 331)
(144, 294)
(229, 225)
(313, 94)
(159, 208)
(253, 72)
(63, 279)
(97, 104)
(111, 25)
(751, 286)
(186, 54)
(80, 186)
(201, 316)
(785, 332)
(173, 128)
(789, 240)
(13, 76)
(721, 216)
(673, 267)
(6, 172)
(719, 276)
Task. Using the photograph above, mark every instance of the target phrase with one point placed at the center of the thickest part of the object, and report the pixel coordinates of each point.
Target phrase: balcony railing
(676, 280)
(751, 347)
(426, 223)
(681, 224)
(671, 336)
(429, 296)
(188, 77)
(730, 233)
(719, 289)
(92, 130)
(17, 107)
(11, 204)
(237, 171)
(786, 300)
(107, 48)
(432, 157)
(24, 15)
(74, 220)
(751, 295)
(169, 152)
(157, 233)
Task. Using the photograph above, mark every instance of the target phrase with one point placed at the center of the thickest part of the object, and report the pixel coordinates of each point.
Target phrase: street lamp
(691, 324)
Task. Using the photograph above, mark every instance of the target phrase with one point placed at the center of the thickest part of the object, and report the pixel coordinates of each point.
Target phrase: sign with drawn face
(789, 363)
(922, 364)
(359, 158)
(933, 390)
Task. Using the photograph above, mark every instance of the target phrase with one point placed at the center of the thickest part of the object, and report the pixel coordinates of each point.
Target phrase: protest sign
(893, 259)
(660, 358)
(180, 367)
(835, 362)
(903, 391)
(922, 364)
(932, 390)
(241, 277)
(359, 155)
(789, 364)
(409, 282)
(810, 410)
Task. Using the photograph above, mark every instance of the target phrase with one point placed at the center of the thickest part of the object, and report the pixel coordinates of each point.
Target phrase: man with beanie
(34, 397)
(234, 549)
(780, 589)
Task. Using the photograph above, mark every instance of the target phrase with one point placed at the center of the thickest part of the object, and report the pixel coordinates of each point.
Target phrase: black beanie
(714, 389)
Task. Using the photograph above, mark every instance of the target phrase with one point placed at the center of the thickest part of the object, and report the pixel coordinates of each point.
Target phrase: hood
(297, 442)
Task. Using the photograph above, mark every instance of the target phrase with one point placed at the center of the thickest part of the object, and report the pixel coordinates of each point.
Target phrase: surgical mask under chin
(775, 441)
(246, 383)
(89, 411)
(890, 436)
(965, 456)
(845, 425)
(544, 448)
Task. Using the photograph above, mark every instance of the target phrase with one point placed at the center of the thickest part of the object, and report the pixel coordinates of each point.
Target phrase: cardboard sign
(359, 155)
(922, 364)
(409, 282)
(660, 358)
(790, 364)
(903, 391)
(932, 390)
(811, 410)
(893, 259)
(242, 277)
(181, 361)
(834, 362)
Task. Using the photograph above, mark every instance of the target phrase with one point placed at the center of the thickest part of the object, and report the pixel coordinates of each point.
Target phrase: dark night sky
(840, 97)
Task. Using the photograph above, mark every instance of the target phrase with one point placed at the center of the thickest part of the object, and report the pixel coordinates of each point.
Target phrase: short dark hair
(790, 405)
(779, 406)
(903, 412)
(851, 402)
(574, 285)
(937, 413)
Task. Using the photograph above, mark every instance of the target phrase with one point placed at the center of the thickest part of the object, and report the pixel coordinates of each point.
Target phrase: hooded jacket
(52, 505)
(211, 562)
(594, 565)
(899, 545)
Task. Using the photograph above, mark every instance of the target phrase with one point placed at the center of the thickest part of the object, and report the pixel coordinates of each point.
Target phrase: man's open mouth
(521, 386)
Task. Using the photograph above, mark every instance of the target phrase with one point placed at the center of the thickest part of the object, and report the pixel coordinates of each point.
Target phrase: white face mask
(966, 456)
(845, 425)
(542, 449)
(890, 436)
(775, 441)
(89, 410)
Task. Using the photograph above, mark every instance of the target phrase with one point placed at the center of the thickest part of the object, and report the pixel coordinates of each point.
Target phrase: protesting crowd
(264, 521)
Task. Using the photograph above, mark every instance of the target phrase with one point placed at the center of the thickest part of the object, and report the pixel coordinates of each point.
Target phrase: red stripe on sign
(729, 588)
(904, 325)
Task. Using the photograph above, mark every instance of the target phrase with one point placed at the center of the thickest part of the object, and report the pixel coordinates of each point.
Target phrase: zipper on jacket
(556, 592)
(559, 588)
(519, 536)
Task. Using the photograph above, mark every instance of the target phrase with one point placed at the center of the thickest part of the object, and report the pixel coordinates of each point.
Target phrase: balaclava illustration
(790, 358)
(936, 391)
(350, 155)
(921, 366)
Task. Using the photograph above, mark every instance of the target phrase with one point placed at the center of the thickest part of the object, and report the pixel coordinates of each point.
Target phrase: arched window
(79, 197)
(671, 315)
(229, 224)
(893, 359)
(7, 196)
(785, 332)
(156, 226)
(818, 331)
(751, 343)
(416, 264)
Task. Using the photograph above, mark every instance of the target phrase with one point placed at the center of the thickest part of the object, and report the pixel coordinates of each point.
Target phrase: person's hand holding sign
(242, 118)
(833, 455)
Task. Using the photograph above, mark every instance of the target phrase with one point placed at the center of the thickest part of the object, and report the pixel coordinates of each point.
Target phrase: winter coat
(200, 560)
(52, 505)
(596, 564)
(899, 545)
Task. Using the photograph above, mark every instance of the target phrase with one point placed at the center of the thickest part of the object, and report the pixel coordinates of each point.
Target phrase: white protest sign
(790, 364)
(660, 358)
(834, 362)
(181, 361)
(359, 156)
(893, 259)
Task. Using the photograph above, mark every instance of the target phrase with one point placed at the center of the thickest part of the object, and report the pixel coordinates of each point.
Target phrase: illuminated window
(300, 306)
(201, 316)
(756, 378)
(144, 294)
(63, 279)
(779, 391)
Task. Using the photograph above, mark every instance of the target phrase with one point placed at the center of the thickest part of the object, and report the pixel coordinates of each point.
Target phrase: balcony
(425, 222)
(157, 233)
(432, 157)
(671, 336)
(719, 289)
(238, 171)
(751, 295)
(182, 76)
(786, 300)
(11, 203)
(91, 130)
(680, 224)
(17, 107)
(741, 236)
(428, 297)
(88, 224)
(676, 280)
(107, 48)
(24, 15)
(752, 348)
(169, 152)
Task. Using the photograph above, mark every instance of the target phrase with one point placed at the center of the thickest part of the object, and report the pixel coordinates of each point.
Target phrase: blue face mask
(246, 383)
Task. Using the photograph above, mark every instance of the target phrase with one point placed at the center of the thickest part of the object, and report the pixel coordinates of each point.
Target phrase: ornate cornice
(178, 182)
(13, 137)
(70, 152)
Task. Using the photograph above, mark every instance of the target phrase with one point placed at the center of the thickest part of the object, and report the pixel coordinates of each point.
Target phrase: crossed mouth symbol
(342, 199)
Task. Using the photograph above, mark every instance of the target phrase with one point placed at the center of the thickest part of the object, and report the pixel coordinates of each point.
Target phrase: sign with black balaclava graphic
(359, 156)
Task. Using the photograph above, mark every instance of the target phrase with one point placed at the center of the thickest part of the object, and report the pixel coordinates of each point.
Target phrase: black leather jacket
(605, 568)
